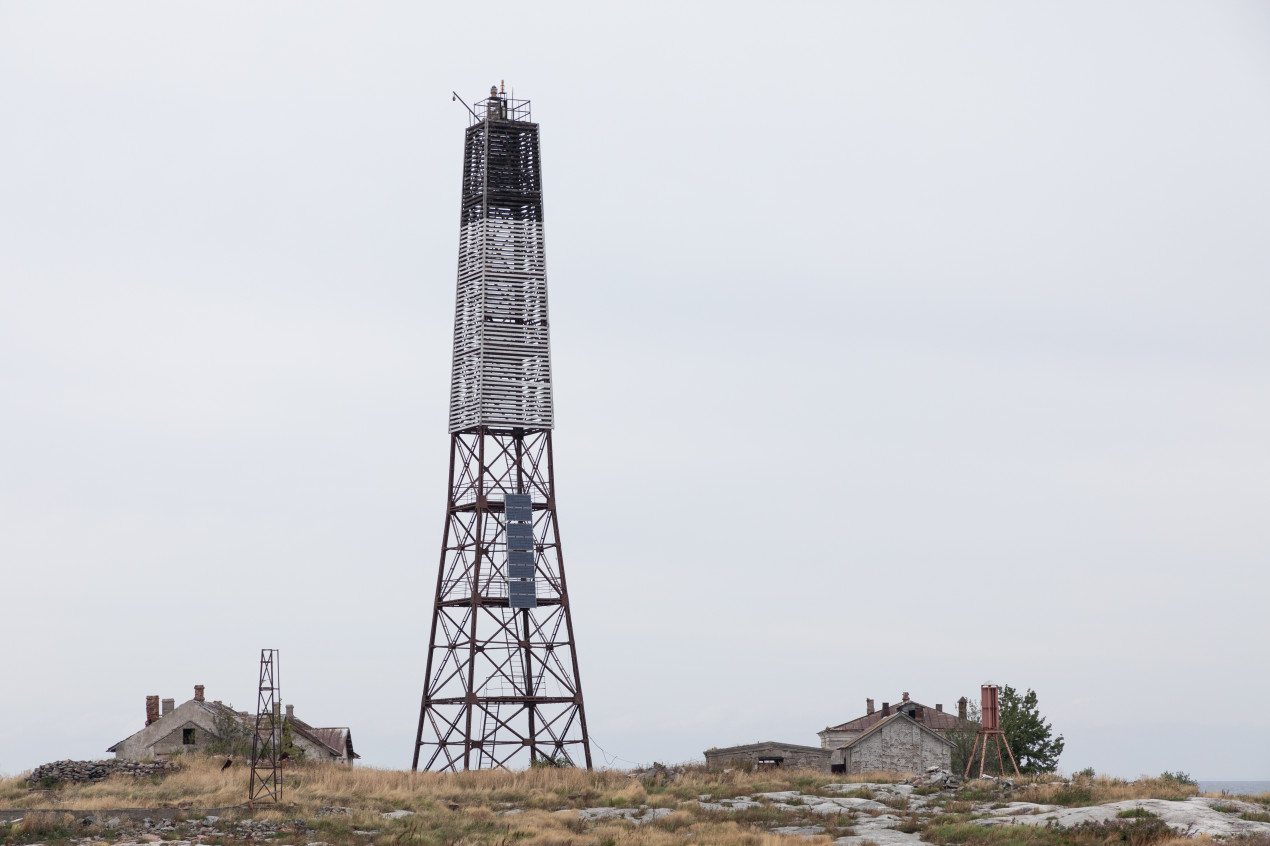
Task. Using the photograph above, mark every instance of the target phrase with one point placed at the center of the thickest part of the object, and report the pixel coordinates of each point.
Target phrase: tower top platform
(497, 106)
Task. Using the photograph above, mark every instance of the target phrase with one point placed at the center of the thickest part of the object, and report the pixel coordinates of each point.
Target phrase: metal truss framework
(502, 687)
(265, 785)
(990, 730)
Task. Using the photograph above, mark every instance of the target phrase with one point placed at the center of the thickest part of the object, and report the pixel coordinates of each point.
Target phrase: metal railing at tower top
(496, 107)
(500, 107)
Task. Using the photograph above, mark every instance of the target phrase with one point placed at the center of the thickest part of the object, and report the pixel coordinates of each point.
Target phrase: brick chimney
(152, 709)
(886, 709)
(290, 712)
(198, 693)
(961, 708)
(868, 704)
(919, 714)
(169, 705)
(905, 695)
(939, 707)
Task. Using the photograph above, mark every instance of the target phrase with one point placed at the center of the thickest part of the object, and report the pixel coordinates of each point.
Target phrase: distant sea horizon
(1249, 788)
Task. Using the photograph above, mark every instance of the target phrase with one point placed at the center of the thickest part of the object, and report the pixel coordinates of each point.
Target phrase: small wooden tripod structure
(990, 729)
(265, 786)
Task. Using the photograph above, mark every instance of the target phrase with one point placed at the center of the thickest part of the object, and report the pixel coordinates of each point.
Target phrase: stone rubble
(69, 772)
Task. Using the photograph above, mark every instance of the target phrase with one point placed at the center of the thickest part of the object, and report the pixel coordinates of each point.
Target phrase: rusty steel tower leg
(990, 730)
(265, 785)
(501, 686)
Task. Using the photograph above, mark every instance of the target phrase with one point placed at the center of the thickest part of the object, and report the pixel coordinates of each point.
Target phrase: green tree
(1030, 736)
(232, 736)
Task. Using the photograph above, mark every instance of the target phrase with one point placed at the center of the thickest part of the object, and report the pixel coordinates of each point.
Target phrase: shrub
(1136, 832)
(1141, 813)
(1074, 795)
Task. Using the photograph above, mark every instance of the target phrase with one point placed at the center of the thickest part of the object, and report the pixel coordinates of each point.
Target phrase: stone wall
(792, 756)
(79, 771)
(167, 735)
(899, 746)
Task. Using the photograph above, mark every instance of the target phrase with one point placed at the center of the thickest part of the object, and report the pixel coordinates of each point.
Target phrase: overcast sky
(897, 346)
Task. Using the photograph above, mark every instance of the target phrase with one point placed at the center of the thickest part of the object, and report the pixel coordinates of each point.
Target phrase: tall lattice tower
(502, 686)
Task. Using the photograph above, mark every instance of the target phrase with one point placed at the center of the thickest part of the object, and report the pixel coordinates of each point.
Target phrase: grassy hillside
(343, 806)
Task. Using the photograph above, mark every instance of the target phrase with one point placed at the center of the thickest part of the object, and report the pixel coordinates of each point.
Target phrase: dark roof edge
(750, 747)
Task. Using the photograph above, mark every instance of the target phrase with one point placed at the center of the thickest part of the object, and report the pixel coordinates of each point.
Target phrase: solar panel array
(522, 590)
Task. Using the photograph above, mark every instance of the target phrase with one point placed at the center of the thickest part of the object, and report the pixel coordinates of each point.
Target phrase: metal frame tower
(265, 785)
(990, 730)
(501, 687)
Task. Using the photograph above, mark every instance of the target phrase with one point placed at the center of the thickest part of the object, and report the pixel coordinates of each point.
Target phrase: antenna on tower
(454, 95)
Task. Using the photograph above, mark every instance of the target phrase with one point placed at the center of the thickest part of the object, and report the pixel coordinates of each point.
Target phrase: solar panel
(522, 595)
(520, 556)
(520, 571)
(519, 507)
(520, 536)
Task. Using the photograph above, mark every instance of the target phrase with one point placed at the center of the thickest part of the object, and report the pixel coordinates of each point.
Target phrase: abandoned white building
(896, 744)
(907, 738)
(198, 724)
(935, 719)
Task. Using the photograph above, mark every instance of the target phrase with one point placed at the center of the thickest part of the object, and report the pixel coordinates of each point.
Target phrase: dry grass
(1263, 798)
(451, 809)
(1099, 790)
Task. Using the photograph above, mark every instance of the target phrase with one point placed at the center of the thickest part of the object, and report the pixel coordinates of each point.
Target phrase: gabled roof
(938, 720)
(766, 744)
(890, 720)
(339, 740)
(186, 710)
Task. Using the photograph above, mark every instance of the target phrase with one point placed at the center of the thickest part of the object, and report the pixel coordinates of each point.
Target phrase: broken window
(770, 763)
(187, 737)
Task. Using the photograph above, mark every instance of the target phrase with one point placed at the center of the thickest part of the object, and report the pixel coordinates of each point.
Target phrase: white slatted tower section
(502, 353)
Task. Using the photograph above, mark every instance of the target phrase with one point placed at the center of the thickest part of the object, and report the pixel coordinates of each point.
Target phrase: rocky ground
(658, 807)
(896, 814)
(882, 814)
